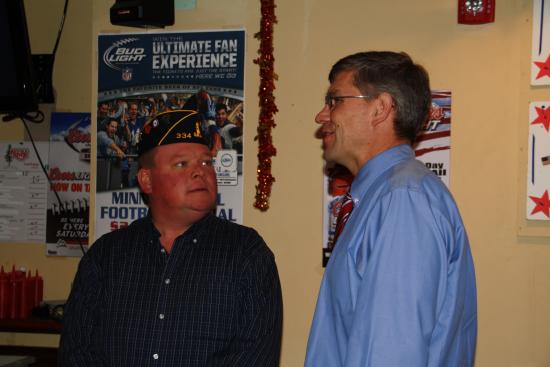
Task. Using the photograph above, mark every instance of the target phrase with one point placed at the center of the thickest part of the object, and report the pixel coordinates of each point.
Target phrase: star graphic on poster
(542, 204)
(544, 68)
(542, 118)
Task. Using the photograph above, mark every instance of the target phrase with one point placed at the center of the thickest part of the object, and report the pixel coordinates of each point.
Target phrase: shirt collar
(195, 230)
(375, 167)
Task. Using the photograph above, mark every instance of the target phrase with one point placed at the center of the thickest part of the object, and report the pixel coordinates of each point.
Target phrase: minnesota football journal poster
(143, 74)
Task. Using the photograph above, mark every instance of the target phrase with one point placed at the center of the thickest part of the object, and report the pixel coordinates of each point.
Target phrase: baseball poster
(143, 74)
(69, 172)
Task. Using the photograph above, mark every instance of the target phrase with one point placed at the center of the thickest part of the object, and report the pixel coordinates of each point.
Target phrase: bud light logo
(121, 54)
(437, 114)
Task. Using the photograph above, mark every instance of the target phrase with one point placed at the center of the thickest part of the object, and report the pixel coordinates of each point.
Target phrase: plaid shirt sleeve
(81, 311)
(258, 342)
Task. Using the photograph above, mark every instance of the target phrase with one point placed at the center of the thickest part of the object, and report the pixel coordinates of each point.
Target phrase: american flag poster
(538, 171)
(540, 50)
(434, 143)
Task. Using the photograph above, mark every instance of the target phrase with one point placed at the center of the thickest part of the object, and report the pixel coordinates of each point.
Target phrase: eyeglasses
(331, 100)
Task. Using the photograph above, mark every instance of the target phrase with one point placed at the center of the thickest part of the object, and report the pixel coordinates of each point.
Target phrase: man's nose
(323, 116)
(198, 170)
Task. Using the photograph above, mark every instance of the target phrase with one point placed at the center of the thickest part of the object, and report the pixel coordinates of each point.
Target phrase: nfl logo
(127, 74)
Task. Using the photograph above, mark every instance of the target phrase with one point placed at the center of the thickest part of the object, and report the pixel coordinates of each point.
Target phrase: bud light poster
(432, 148)
(143, 74)
(69, 170)
(538, 170)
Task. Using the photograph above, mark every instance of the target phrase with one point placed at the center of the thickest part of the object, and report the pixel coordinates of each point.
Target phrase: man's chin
(205, 207)
(327, 156)
(332, 159)
(197, 213)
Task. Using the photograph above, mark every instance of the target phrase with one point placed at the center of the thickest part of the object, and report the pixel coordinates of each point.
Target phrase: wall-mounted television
(17, 93)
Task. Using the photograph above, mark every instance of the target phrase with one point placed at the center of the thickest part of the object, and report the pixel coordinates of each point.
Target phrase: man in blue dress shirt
(399, 289)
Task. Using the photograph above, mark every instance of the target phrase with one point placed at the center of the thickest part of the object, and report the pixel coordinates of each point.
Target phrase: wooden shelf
(37, 326)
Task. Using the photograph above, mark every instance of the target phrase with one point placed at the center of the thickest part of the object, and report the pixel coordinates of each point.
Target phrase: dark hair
(221, 106)
(146, 160)
(109, 123)
(408, 84)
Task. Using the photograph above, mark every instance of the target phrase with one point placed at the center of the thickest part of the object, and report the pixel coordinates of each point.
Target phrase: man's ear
(383, 108)
(145, 180)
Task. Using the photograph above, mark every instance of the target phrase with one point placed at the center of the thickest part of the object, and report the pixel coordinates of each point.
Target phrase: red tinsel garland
(268, 108)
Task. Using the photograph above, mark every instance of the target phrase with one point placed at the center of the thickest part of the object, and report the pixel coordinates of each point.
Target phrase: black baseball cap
(178, 126)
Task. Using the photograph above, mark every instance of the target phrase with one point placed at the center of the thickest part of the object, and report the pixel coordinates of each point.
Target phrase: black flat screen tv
(17, 94)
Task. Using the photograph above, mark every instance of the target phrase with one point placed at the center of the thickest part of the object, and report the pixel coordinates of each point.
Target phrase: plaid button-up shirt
(215, 300)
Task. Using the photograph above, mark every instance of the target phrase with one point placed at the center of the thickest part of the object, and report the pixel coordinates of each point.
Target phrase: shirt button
(194, 240)
(161, 316)
(162, 250)
(167, 281)
(155, 356)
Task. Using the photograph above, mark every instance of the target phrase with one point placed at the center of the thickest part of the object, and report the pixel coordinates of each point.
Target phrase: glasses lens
(329, 101)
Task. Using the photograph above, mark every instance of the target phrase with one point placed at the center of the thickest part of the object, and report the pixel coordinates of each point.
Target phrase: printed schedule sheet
(23, 193)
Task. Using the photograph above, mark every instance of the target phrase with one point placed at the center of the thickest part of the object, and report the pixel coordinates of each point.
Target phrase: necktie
(343, 215)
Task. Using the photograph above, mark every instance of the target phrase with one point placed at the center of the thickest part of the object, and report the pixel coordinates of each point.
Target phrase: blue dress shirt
(399, 289)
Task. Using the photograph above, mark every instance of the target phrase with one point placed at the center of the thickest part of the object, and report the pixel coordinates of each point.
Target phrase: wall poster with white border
(433, 149)
(434, 143)
(538, 161)
(143, 74)
(540, 43)
(23, 192)
(67, 223)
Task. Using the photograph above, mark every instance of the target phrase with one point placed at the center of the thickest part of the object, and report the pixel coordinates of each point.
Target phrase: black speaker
(43, 71)
(143, 13)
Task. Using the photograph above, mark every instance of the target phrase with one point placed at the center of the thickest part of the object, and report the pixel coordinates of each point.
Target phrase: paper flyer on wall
(433, 149)
(538, 162)
(540, 43)
(23, 192)
(141, 75)
(434, 143)
(69, 171)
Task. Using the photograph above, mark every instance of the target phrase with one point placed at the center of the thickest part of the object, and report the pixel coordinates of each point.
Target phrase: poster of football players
(144, 74)
(69, 192)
